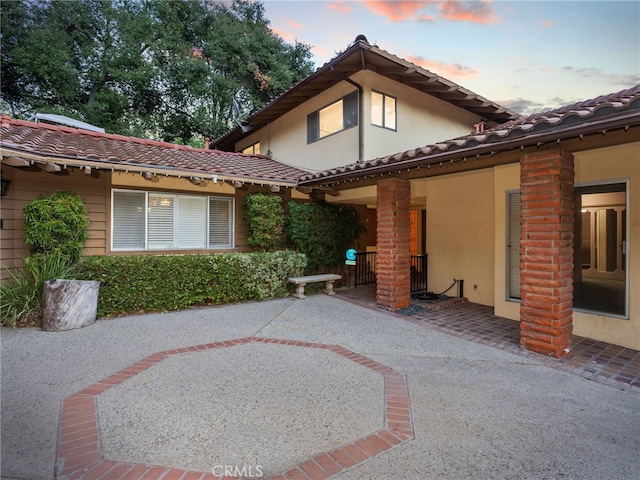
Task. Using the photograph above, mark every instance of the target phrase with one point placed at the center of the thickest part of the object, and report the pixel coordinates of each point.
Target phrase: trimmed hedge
(146, 283)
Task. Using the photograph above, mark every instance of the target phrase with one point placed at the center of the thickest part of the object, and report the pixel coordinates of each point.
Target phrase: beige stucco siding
(421, 120)
(461, 233)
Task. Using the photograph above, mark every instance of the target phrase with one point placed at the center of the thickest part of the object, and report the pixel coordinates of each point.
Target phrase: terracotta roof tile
(117, 151)
(570, 120)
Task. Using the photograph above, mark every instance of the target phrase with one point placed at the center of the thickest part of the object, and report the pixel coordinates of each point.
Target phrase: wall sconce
(4, 187)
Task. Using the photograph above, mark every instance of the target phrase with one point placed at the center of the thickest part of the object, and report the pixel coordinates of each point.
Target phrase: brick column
(393, 257)
(546, 252)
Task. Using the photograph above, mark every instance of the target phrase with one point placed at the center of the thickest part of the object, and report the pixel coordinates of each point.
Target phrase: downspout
(360, 112)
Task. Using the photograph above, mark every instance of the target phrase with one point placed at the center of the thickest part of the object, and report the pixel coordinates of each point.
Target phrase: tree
(169, 69)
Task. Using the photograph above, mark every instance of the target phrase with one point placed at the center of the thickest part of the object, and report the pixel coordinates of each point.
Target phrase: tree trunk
(69, 304)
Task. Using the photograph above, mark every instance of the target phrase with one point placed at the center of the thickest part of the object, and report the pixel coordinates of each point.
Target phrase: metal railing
(365, 270)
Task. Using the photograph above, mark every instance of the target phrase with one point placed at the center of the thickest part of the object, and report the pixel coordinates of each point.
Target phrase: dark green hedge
(147, 283)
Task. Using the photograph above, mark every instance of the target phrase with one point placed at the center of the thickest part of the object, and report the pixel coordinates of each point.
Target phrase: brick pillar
(546, 252)
(393, 257)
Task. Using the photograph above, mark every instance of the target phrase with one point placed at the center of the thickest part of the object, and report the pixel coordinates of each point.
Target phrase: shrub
(323, 232)
(22, 293)
(56, 225)
(264, 218)
(144, 283)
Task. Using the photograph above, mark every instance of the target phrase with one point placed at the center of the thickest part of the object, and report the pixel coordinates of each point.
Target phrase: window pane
(350, 110)
(128, 221)
(192, 222)
(390, 112)
(600, 230)
(220, 223)
(331, 119)
(513, 245)
(161, 217)
(376, 109)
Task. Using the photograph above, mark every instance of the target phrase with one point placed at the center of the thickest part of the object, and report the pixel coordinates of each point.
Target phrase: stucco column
(546, 252)
(393, 257)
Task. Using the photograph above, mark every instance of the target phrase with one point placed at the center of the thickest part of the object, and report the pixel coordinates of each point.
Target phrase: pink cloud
(397, 11)
(294, 24)
(286, 36)
(447, 70)
(340, 7)
(468, 11)
(548, 24)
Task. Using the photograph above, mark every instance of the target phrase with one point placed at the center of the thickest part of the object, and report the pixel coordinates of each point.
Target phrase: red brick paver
(79, 455)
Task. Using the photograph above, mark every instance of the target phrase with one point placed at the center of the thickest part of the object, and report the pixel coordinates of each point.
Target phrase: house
(538, 215)
(192, 197)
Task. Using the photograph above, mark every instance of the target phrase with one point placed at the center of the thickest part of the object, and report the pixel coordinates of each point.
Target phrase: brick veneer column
(393, 257)
(546, 252)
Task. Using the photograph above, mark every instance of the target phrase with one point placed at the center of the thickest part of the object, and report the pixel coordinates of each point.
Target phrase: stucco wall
(421, 120)
(461, 233)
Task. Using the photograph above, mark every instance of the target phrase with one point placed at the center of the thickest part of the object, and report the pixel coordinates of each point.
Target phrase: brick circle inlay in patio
(140, 431)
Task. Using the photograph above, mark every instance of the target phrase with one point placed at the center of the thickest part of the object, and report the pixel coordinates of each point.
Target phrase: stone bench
(300, 283)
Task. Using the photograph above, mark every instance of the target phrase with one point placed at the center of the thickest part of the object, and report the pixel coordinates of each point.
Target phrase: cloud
(294, 24)
(340, 7)
(447, 70)
(597, 74)
(548, 24)
(523, 106)
(286, 36)
(398, 11)
(469, 11)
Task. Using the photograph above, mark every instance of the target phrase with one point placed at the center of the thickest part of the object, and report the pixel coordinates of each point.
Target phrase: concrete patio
(325, 387)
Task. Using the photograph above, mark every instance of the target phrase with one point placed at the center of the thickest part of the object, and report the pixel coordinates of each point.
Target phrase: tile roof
(616, 110)
(59, 144)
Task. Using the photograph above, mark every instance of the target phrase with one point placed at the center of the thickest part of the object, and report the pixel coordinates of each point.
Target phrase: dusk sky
(530, 56)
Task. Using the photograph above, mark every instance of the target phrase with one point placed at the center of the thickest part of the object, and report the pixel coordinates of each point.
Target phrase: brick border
(79, 451)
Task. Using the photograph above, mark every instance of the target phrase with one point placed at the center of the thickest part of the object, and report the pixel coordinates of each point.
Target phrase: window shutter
(192, 222)
(350, 110)
(128, 221)
(220, 222)
(513, 245)
(161, 221)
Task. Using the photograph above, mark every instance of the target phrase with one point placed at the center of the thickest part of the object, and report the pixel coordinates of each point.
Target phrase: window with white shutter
(128, 225)
(163, 221)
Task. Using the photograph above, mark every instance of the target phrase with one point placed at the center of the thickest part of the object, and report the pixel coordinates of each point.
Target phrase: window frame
(350, 117)
(627, 264)
(383, 113)
(251, 147)
(206, 216)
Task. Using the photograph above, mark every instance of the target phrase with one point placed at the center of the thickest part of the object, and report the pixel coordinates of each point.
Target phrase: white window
(383, 110)
(163, 221)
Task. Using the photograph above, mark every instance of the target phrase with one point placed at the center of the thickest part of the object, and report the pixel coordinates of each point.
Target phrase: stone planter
(69, 304)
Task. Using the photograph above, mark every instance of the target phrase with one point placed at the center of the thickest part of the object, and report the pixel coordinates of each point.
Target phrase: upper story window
(164, 221)
(383, 110)
(333, 118)
(252, 149)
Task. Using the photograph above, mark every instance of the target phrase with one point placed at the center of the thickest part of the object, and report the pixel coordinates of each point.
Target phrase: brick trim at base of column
(546, 252)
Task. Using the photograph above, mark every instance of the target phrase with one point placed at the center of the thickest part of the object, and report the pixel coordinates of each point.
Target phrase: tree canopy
(175, 70)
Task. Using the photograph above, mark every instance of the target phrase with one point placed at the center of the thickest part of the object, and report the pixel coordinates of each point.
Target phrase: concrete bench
(300, 283)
